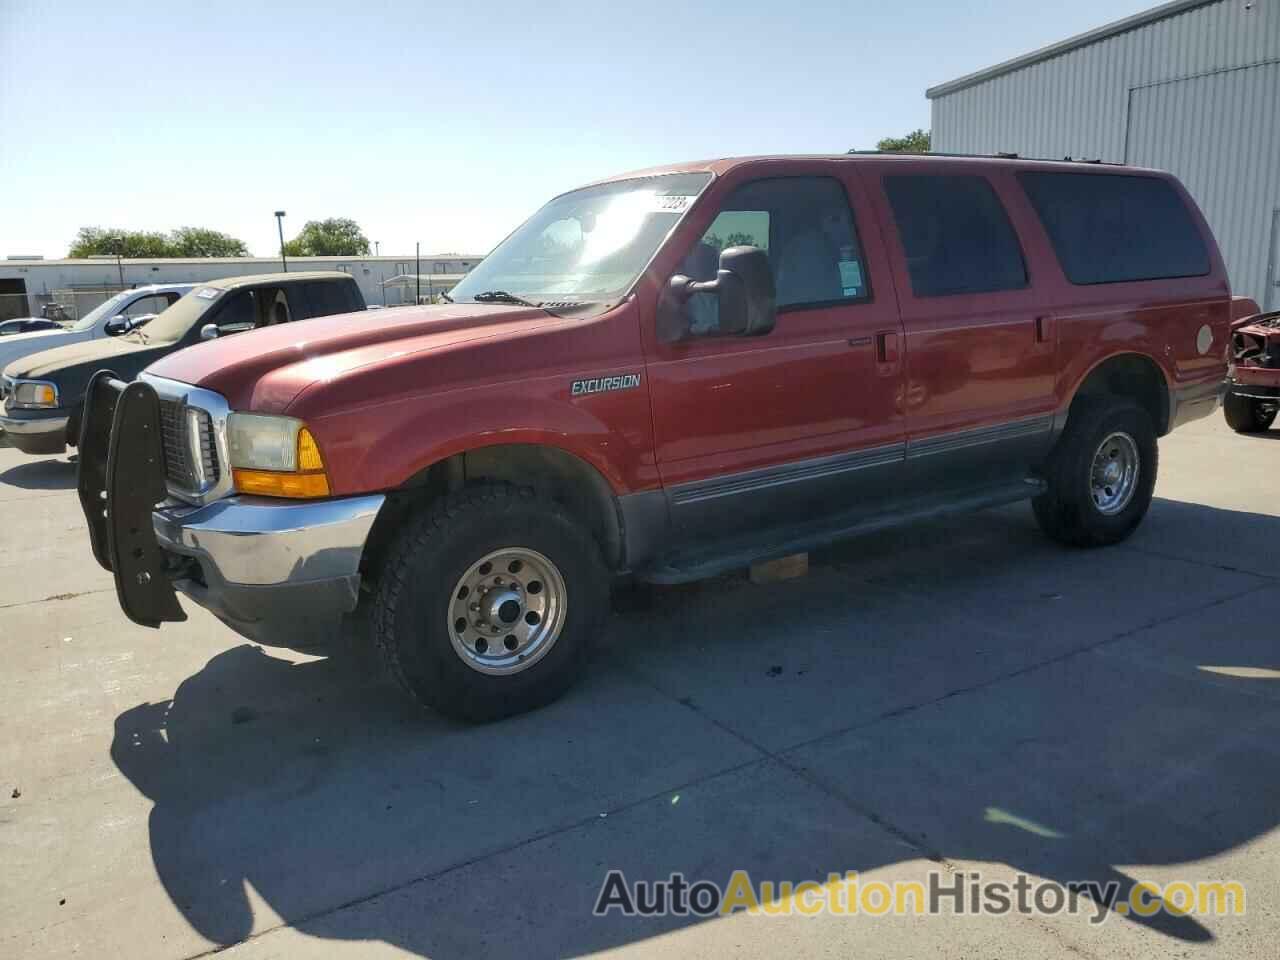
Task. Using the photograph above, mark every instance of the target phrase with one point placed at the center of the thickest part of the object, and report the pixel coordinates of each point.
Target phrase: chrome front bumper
(36, 433)
(264, 559)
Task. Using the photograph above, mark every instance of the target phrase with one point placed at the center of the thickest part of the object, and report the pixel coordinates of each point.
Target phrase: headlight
(275, 457)
(34, 394)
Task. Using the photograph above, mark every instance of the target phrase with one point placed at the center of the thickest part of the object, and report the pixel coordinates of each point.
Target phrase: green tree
(203, 242)
(917, 141)
(735, 239)
(107, 241)
(152, 244)
(335, 237)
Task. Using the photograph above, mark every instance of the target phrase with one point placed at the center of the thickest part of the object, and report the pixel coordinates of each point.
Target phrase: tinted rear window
(955, 234)
(1111, 228)
(325, 298)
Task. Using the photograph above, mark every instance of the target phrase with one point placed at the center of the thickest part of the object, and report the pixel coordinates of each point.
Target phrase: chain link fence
(65, 306)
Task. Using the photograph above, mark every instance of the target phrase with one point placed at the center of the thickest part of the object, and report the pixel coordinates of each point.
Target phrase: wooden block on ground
(784, 568)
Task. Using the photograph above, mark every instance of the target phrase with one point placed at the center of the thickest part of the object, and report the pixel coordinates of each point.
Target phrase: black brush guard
(120, 479)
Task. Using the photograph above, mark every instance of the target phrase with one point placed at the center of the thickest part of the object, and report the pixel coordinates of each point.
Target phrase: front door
(804, 420)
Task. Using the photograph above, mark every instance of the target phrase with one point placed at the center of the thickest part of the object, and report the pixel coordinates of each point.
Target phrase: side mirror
(117, 325)
(744, 288)
(209, 331)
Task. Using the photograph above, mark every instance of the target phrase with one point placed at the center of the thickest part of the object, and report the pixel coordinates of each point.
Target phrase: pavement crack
(899, 834)
(586, 821)
(1225, 567)
(1020, 671)
(56, 597)
(1161, 621)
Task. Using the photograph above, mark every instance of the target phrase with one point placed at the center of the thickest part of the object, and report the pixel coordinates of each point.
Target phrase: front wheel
(1246, 415)
(1101, 475)
(488, 603)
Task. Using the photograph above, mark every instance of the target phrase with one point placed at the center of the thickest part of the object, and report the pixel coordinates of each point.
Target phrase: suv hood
(49, 362)
(266, 369)
(18, 345)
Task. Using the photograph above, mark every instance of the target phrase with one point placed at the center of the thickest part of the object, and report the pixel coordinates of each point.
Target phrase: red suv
(667, 375)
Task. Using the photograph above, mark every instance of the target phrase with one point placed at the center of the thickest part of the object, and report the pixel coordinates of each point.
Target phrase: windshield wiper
(501, 296)
(446, 298)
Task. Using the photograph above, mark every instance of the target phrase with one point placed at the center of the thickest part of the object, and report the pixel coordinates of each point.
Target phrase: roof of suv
(230, 283)
(723, 165)
(161, 287)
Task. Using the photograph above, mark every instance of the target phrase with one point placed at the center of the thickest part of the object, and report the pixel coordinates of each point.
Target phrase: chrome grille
(187, 468)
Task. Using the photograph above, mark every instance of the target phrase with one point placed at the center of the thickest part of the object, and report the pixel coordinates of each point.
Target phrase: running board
(700, 562)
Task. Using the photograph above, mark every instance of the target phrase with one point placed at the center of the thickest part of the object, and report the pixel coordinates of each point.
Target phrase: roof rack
(981, 156)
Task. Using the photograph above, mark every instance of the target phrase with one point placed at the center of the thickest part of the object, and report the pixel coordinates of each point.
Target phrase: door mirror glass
(743, 292)
(117, 325)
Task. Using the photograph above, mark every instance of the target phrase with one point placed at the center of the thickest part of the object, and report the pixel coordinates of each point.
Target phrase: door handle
(887, 355)
(1044, 330)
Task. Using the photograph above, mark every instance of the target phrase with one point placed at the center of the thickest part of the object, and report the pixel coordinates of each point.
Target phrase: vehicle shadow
(320, 786)
(1263, 435)
(51, 474)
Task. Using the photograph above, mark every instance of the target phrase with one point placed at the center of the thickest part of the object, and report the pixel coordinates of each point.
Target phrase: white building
(27, 284)
(1191, 86)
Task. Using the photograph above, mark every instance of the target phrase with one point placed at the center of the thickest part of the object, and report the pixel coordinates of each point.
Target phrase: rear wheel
(488, 603)
(1101, 475)
(1246, 415)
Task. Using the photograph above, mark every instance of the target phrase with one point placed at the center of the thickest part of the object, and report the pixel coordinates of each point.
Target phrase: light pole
(376, 245)
(280, 229)
(119, 242)
(417, 274)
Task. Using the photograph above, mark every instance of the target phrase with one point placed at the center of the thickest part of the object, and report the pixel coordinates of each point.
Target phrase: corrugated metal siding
(1079, 105)
(1220, 134)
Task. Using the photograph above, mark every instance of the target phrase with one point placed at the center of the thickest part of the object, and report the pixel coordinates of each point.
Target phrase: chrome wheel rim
(1113, 478)
(507, 611)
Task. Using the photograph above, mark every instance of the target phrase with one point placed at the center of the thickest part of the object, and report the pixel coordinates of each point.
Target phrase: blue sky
(446, 123)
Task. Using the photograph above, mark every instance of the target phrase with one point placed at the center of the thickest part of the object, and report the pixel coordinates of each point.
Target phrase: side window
(1110, 228)
(955, 234)
(324, 299)
(274, 306)
(155, 303)
(806, 227)
(239, 312)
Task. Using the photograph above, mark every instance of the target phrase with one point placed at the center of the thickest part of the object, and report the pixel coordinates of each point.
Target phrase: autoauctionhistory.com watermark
(942, 893)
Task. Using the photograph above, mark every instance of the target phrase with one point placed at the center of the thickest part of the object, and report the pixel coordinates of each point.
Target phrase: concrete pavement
(958, 697)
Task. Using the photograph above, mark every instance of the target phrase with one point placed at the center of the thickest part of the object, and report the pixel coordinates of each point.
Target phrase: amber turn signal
(269, 483)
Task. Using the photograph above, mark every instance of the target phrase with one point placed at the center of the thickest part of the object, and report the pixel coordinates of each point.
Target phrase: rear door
(980, 340)
(801, 421)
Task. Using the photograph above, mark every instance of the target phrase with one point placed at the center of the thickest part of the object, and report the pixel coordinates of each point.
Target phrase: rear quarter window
(1113, 228)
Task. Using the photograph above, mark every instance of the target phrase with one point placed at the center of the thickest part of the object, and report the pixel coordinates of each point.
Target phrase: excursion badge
(627, 381)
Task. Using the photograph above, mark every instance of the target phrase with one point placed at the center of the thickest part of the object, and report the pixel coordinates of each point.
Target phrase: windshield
(108, 308)
(173, 324)
(585, 246)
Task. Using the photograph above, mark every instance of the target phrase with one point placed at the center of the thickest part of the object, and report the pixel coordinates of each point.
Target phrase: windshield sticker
(207, 293)
(672, 204)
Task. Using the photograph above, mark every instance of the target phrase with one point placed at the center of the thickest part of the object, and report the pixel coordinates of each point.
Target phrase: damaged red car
(1253, 397)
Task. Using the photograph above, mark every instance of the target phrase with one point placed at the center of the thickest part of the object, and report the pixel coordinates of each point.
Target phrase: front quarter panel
(381, 448)
(499, 391)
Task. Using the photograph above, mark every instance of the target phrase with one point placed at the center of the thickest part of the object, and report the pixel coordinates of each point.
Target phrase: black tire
(415, 592)
(1067, 511)
(1246, 415)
